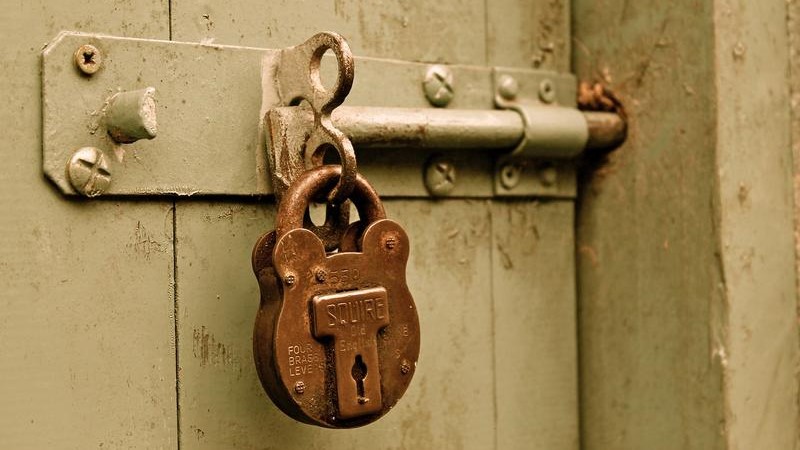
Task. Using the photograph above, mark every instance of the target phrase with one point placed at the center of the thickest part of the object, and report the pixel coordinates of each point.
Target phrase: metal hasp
(503, 131)
(535, 126)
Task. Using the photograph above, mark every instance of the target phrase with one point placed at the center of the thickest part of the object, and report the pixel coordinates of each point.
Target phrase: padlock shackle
(321, 180)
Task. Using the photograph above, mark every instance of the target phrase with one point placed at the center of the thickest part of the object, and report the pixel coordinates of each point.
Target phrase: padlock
(336, 338)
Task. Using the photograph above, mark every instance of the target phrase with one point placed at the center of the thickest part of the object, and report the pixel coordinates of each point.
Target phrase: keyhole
(359, 372)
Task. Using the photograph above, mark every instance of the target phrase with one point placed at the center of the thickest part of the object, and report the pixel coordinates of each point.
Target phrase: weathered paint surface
(755, 210)
(85, 286)
(534, 325)
(686, 289)
(793, 28)
(484, 329)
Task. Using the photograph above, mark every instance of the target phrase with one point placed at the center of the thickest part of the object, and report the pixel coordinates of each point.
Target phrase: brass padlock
(336, 338)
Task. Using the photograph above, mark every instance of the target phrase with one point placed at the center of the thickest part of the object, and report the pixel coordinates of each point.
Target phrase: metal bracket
(104, 93)
(552, 133)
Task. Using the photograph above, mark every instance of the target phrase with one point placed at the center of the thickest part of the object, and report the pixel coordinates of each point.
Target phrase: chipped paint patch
(143, 243)
(211, 352)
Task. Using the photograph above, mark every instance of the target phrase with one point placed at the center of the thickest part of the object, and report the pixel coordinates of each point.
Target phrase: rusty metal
(88, 59)
(333, 318)
(337, 347)
(605, 116)
(337, 217)
(298, 77)
(606, 130)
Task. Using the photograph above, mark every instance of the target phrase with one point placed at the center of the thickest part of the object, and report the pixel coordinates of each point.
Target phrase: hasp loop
(299, 79)
(316, 181)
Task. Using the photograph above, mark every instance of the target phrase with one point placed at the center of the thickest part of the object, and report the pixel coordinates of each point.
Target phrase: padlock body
(337, 336)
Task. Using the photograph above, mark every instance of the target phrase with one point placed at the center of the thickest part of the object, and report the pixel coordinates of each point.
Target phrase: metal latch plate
(210, 102)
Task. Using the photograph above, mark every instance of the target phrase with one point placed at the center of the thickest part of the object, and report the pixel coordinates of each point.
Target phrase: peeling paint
(211, 352)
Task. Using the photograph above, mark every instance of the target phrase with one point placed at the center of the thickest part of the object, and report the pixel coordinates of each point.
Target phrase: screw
(440, 177)
(438, 85)
(289, 279)
(299, 387)
(548, 175)
(405, 367)
(508, 88)
(390, 242)
(509, 175)
(88, 171)
(321, 275)
(88, 59)
(547, 91)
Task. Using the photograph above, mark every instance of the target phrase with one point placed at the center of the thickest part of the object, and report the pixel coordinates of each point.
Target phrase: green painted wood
(85, 287)
(450, 403)
(450, 31)
(535, 336)
(649, 281)
(688, 324)
(466, 392)
(528, 34)
(793, 28)
(755, 210)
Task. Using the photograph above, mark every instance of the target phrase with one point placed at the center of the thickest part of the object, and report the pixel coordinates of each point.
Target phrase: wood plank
(535, 337)
(450, 31)
(532, 34)
(648, 278)
(687, 297)
(450, 402)
(85, 286)
(754, 167)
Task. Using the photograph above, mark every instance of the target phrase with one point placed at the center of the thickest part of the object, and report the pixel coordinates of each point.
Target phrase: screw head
(510, 175)
(405, 367)
(390, 242)
(88, 172)
(88, 59)
(548, 175)
(321, 275)
(289, 279)
(440, 176)
(438, 85)
(299, 387)
(508, 87)
(547, 91)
